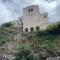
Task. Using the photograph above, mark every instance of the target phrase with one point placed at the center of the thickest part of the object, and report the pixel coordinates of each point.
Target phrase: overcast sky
(12, 9)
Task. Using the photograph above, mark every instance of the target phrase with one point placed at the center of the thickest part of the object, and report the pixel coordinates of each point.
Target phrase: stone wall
(16, 33)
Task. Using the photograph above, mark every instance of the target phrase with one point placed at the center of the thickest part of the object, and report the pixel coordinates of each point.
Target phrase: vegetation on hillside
(4, 33)
(41, 43)
(24, 52)
(7, 24)
(37, 45)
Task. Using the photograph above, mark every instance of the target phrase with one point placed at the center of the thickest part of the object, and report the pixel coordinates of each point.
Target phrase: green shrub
(3, 39)
(24, 53)
(51, 26)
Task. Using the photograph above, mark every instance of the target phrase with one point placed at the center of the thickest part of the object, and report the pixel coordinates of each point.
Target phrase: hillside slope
(43, 43)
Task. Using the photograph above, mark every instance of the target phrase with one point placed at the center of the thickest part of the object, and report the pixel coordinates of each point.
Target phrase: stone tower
(33, 20)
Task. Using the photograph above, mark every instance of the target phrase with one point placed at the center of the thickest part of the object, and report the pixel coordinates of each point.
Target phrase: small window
(37, 28)
(26, 29)
(31, 9)
(28, 10)
(31, 29)
(22, 27)
(21, 23)
(44, 16)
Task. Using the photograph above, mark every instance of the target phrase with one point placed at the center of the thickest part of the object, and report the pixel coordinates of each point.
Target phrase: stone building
(32, 19)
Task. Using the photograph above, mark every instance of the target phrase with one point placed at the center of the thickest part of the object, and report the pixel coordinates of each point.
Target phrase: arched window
(28, 10)
(37, 28)
(26, 29)
(32, 29)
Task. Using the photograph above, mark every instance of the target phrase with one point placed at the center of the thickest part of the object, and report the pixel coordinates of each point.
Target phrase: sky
(12, 9)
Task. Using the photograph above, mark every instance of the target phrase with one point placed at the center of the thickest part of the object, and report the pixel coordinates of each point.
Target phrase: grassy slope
(4, 36)
(48, 43)
(41, 41)
(47, 40)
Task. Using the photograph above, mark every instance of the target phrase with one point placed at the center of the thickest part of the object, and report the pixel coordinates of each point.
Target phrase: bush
(51, 26)
(3, 39)
(54, 28)
(24, 53)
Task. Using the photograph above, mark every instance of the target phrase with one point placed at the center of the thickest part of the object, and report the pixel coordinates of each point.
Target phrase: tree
(8, 24)
(51, 26)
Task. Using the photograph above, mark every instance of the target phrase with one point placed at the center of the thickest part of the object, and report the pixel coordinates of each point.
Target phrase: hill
(41, 44)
